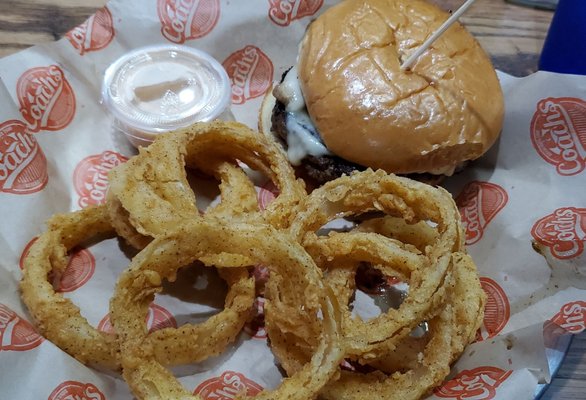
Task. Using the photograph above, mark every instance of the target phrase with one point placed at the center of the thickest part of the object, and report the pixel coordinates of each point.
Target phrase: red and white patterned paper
(57, 144)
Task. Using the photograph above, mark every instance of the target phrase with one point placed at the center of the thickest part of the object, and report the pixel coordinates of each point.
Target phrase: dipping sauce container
(160, 88)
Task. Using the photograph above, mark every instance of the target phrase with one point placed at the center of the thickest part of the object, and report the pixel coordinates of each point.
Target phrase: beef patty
(320, 169)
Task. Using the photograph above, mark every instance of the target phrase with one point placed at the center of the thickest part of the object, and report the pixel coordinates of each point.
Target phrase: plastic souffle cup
(161, 88)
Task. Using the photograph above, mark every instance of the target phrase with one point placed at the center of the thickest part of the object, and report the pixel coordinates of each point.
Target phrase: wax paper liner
(523, 204)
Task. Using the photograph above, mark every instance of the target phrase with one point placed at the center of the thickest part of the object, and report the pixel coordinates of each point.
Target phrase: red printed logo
(157, 318)
(94, 34)
(16, 334)
(479, 384)
(563, 231)
(267, 193)
(256, 326)
(230, 385)
(24, 253)
(46, 98)
(90, 177)
(283, 12)
(79, 269)
(183, 20)
(479, 203)
(572, 317)
(72, 390)
(23, 166)
(250, 72)
(496, 311)
(558, 133)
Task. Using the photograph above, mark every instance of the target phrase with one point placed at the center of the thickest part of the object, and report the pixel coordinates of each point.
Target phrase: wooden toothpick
(453, 18)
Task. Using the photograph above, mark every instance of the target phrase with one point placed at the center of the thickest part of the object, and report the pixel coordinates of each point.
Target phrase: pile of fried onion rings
(400, 230)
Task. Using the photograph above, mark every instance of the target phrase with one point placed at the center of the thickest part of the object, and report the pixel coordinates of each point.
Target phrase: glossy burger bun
(447, 109)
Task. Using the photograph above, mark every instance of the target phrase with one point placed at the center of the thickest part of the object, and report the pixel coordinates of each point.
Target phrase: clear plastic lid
(165, 87)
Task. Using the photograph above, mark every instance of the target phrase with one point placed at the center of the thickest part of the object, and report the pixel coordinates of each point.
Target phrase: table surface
(512, 35)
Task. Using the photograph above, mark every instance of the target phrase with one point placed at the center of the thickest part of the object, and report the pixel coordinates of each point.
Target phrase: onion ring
(414, 202)
(56, 317)
(237, 193)
(154, 190)
(449, 332)
(61, 322)
(441, 276)
(159, 260)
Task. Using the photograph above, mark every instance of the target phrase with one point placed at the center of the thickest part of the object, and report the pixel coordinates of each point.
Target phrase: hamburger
(347, 104)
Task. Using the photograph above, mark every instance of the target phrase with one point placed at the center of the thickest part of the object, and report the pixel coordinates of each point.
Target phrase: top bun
(447, 109)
